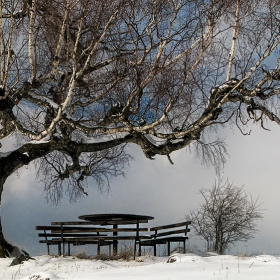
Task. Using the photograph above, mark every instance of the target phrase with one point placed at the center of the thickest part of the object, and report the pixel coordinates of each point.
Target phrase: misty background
(157, 188)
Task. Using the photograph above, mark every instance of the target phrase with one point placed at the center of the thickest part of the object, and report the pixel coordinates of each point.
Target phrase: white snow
(42, 141)
(102, 138)
(180, 266)
(43, 98)
(154, 140)
(223, 86)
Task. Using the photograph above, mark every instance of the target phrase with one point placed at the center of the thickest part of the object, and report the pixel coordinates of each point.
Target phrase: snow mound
(179, 267)
(41, 276)
(266, 259)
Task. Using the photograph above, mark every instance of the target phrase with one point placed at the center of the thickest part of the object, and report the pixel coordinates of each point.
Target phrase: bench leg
(134, 254)
(68, 248)
(63, 248)
(48, 246)
(155, 249)
(115, 247)
(139, 249)
(168, 248)
(115, 242)
(59, 249)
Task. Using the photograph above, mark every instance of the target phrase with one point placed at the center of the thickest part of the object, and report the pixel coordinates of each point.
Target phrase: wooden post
(139, 248)
(63, 247)
(115, 242)
(168, 248)
(136, 240)
(98, 247)
(46, 238)
(59, 248)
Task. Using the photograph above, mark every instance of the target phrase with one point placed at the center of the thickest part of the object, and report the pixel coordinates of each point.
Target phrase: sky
(157, 188)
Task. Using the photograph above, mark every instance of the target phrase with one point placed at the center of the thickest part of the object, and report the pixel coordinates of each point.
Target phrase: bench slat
(170, 232)
(164, 240)
(99, 238)
(171, 226)
(67, 229)
(58, 228)
(47, 227)
(101, 243)
(50, 241)
(76, 230)
(66, 235)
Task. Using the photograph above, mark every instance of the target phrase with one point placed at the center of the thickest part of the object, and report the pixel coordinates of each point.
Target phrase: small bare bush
(226, 215)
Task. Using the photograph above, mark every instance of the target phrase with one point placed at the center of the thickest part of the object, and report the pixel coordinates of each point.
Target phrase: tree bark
(3, 243)
(5, 247)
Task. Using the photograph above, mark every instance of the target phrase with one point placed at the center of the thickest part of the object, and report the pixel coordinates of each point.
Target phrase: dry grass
(125, 254)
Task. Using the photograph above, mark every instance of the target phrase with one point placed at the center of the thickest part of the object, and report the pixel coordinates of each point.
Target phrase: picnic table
(109, 229)
(116, 220)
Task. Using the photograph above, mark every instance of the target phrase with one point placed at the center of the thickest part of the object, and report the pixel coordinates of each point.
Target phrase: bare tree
(227, 215)
(80, 79)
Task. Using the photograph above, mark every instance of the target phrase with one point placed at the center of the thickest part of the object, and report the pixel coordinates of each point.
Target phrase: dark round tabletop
(116, 218)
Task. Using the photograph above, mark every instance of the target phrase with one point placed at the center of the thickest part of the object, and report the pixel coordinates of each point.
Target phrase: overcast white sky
(157, 188)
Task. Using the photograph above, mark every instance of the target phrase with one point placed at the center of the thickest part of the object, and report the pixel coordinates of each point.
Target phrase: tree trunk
(5, 247)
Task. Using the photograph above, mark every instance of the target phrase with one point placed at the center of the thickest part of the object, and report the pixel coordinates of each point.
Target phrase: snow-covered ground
(188, 266)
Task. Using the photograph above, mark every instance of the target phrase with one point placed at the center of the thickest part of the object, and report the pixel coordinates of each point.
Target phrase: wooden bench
(79, 233)
(59, 233)
(166, 234)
